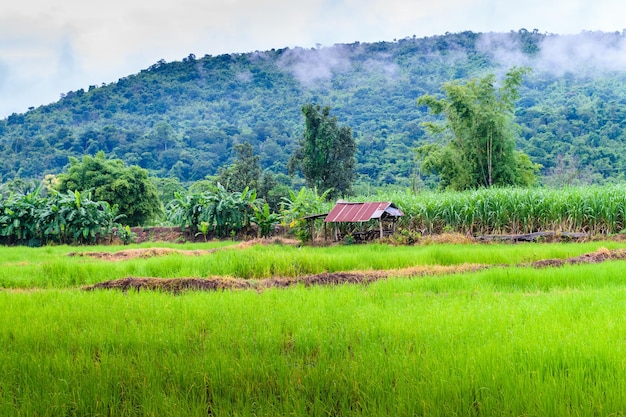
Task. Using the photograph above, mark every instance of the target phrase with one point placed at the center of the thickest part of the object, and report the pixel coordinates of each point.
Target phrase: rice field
(508, 340)
(51, 267)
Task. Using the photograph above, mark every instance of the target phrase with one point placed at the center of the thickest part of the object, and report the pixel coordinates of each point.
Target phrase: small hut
(344, 212)
(310, 221)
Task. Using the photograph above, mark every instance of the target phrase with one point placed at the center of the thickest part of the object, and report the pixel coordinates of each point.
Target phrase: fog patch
(382, 65)
(587, 53)
(244, 76)
(257, 56)
(310, 66)
(505, 49)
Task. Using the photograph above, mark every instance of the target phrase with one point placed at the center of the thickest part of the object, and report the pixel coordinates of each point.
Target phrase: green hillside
(183, 118)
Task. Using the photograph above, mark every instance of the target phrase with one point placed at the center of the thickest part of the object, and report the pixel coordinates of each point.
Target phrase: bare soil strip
(225, 283)
(177, 285)
(601, 255)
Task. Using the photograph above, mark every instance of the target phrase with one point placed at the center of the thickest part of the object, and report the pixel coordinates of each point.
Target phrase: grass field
(509, 340)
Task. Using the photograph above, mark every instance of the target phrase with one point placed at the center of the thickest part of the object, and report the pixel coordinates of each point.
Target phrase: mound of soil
(127, 254)
(174, 285)
(177, 285)
(601, 255)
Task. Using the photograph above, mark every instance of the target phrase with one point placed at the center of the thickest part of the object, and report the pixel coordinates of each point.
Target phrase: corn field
(592, 209)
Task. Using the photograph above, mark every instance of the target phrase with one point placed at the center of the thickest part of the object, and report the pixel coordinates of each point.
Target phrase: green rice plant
(51, 267)
(492, 343)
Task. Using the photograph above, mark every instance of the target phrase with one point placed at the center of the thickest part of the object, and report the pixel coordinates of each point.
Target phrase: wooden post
(380, 224)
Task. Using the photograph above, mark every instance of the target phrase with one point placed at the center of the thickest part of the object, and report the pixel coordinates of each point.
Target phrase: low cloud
(505, 49)
(310, 66)
(104, 44)
(586, 53)
(244, 76)
(382, 65)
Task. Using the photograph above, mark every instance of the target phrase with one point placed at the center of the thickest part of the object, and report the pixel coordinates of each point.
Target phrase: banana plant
(188, 211)
(73, 217)
(265, 220)
(223, 211)
(297, 206)
(246, 204)
(18, 218)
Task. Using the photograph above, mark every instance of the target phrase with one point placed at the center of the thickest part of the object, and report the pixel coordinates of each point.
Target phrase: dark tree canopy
(245, 172)
(479, 133)
(110, 180)
(325, 155)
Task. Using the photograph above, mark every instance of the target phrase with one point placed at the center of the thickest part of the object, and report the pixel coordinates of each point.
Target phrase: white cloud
(312, 65)
(47, 48)
(591, 51)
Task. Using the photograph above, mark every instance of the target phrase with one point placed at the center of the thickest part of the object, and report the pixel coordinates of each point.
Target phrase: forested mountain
(183, 118)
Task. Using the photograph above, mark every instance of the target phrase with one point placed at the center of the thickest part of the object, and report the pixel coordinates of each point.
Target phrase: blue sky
(51, 47)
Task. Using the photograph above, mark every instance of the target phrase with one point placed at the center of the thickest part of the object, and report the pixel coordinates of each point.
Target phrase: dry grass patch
(451, 238)
(127, 254)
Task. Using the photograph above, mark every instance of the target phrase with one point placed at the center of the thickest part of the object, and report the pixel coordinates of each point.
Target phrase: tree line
(476, 149)
(185, 119)
(98, 196)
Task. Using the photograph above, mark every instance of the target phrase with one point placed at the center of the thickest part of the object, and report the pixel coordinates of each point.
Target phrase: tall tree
(325, 154)
(111, 181)
(479, 133)
(245, 172)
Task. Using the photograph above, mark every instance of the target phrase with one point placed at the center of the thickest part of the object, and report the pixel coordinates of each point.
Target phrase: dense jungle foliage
(183, 119)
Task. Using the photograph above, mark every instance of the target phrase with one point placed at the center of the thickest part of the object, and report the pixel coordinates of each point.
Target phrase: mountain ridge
(183, 118)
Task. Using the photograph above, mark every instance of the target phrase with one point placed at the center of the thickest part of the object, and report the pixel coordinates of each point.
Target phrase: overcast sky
(52, 47)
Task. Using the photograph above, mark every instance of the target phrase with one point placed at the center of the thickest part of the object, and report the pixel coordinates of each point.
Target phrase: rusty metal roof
(361, 212)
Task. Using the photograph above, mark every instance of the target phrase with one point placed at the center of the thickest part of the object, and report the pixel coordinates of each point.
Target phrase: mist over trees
(185, 119)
